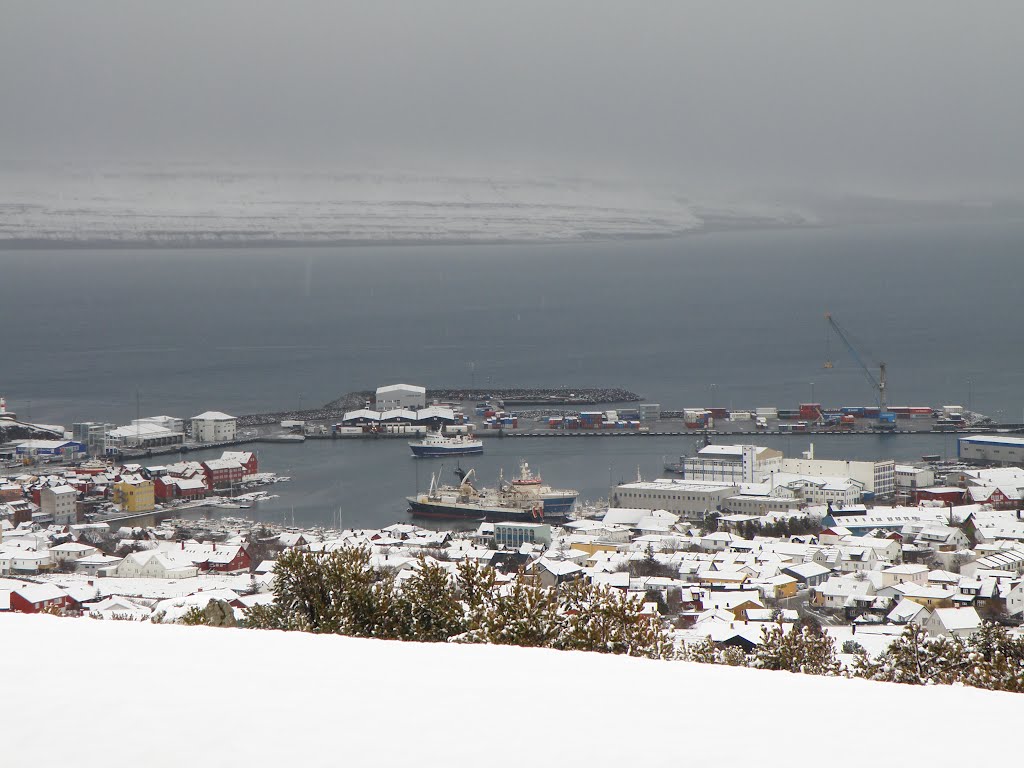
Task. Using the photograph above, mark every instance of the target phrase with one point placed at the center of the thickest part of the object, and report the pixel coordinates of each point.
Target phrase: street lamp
(712, 395)
(812, 391)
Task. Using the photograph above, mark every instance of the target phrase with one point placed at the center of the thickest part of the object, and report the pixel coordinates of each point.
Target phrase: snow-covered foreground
(196, 207)
(173, 695)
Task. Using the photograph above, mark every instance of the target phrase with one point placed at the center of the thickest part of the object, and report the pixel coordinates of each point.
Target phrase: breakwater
(510, 396)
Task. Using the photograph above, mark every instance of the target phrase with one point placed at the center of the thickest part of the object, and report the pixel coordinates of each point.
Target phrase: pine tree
(904, 661)
(994, 660)
(435, 612)
(606, 620)
(798, 650)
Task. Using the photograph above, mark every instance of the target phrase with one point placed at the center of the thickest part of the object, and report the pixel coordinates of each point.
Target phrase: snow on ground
(199, 206)
(195, 695)
(149, 588)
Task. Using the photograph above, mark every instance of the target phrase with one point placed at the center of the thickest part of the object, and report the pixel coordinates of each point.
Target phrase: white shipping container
(611, 416)
(768, 412)
(740, 415)
(349, 430)
(953, 410)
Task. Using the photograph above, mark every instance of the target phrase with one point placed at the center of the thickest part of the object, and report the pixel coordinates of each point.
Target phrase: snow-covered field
(94, 693)
(193, 206)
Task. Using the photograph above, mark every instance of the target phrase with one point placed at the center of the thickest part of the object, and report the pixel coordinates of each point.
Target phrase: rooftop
(665, 484)
(213, 416)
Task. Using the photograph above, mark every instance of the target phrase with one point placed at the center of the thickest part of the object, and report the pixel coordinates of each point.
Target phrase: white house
(18, 561)
(116, 607)
(909, 612)
(395, 396)
(810, 574)
(836, 591)
(953, 622)
(718, 541)
(71, 551)
(1015, 599)
(153, 565)
(908, 572)
(213, 427)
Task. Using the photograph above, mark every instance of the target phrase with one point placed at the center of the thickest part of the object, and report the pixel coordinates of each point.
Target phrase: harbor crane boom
(878, 384)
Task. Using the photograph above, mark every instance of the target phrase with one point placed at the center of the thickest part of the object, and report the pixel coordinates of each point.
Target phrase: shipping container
(810, 410)
(768, 412)
(649, 411)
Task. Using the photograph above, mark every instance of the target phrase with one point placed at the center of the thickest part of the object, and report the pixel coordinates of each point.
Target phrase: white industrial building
(732, 463)
(1000, 449)
(910, 477)
(93, 435)
(821, 489)
(761, 498)
(59, 504)
(689, 498)
(875, 477)
(153, 432)
(395, 396)
(213, 427)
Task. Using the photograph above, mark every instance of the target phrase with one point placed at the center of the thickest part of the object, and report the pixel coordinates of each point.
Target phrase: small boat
(437, 443)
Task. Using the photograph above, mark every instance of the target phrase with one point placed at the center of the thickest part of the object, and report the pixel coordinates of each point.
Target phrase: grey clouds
(910, 98)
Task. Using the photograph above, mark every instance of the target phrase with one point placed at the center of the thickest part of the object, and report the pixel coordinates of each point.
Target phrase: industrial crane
(878, 384)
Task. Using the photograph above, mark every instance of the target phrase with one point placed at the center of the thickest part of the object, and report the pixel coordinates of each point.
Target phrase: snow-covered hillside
(95, 693)
(190, 206)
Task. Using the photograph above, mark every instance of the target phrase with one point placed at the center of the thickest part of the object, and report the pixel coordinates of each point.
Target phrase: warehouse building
(65, 448)
(999, 449)
(691, 499)
(145, 433)
(434, 417)
(213, 427)
(878, 478)
(395, 396)
(732, 463)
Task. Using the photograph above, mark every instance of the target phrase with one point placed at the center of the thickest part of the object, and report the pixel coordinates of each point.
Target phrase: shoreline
(187, 243)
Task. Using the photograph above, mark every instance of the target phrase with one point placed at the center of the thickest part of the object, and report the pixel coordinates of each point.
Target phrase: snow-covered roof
(957, 618)
(213, 416)
(387, 389)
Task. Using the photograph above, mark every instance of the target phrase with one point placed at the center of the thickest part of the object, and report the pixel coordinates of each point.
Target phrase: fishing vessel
(437, 443)
(524, 499)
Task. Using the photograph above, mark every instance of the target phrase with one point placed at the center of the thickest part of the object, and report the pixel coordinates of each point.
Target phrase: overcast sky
(918, 97)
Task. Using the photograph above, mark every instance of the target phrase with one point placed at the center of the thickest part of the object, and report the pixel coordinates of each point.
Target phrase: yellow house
(134, 496)
(593, 547)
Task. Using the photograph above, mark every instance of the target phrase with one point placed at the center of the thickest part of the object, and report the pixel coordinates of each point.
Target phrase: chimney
(215, 546)
(182, 543)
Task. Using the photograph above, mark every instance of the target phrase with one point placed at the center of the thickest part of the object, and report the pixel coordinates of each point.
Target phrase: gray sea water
(731, 319)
